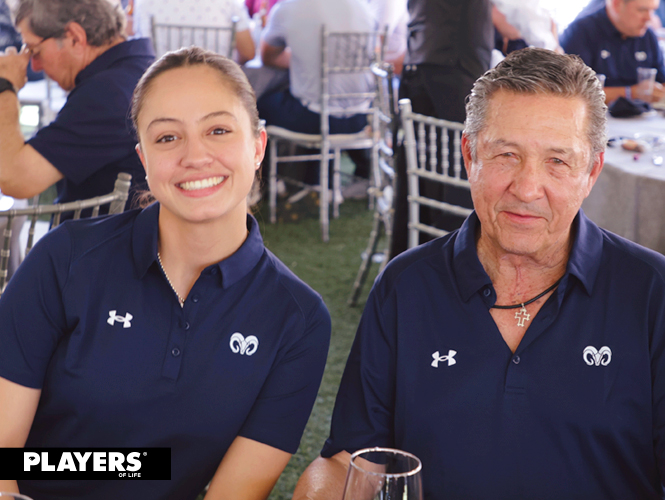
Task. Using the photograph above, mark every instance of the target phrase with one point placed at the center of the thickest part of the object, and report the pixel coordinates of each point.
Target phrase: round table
(629, 196)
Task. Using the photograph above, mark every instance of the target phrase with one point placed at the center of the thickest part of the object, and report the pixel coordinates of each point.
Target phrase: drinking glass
(646, 77)
(383, 474)
(13, 496)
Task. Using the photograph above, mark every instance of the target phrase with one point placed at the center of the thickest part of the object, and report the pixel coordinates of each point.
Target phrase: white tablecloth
(629, 196)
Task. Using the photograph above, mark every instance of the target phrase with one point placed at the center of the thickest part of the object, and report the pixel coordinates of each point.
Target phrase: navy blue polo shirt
(578, 411)
(92, 140)
(602, 47)
(91, 320)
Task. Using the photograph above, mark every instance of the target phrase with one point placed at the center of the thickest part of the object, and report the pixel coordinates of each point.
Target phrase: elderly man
(522, 356)
(616, 40)
(80, 44)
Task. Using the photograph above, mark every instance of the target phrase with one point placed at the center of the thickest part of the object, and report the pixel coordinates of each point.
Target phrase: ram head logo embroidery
(246, 346)
(593, 356)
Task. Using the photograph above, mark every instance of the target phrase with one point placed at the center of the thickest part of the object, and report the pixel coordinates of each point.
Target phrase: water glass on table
(383, 473)
(646, 77)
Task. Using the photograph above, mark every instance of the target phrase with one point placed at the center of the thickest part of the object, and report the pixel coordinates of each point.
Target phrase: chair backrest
(427, 142)
(116, 200)
(348, 56)
(167, 37)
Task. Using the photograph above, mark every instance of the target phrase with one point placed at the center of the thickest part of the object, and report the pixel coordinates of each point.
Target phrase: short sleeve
(91, 131)
(274, 33)
(364, 409)
(280, 413)
(240, 10)
(32, 314)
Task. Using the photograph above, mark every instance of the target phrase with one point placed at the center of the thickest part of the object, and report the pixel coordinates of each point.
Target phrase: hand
(658, 93)
(14, 66)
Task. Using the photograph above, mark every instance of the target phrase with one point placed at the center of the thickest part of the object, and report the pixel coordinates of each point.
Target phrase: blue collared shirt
(90, 319)
(602, 47)
(578, 411)
(92, 139)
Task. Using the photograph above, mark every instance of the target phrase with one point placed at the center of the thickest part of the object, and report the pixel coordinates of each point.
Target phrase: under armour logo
(450, 357)
(126, 320)
(246, 346)
(593, 356)
(640, 56)
(605, 54)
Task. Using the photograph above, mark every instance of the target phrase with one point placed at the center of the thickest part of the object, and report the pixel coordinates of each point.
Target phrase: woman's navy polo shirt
(578, 411)
(91, 319)
(603, 48)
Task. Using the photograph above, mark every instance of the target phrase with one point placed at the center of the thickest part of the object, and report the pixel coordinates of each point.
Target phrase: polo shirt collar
(232, 269)
(607, 26)
(129, 48)
(583, 263)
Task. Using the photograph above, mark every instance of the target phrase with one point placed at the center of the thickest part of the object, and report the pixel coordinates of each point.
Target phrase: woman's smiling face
(197, 145)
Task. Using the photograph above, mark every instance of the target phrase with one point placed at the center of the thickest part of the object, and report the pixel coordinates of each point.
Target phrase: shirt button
(213, 270)
(516, 360)
(176, 352)
(185, 325)
(195, 298)
(487, 292)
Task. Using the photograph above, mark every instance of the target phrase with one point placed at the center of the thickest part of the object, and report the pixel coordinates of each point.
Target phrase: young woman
(171, 326)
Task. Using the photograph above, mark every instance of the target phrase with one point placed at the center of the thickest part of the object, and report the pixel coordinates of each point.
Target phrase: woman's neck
(187, 248)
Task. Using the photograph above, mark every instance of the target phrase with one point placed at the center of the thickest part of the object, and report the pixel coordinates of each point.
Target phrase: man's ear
(77, 34)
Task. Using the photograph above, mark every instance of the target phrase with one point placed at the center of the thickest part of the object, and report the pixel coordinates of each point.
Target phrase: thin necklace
(180, 299)
(522, 316)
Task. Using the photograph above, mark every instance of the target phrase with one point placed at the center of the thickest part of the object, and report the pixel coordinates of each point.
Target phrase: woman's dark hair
(228, 70)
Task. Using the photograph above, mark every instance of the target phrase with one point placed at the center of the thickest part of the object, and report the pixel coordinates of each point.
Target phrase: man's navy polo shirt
(602, 47)
(91, 319)
(578, 411)
(92, 140)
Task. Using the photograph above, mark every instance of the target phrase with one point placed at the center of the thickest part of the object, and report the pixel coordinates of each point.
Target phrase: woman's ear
(140, 153)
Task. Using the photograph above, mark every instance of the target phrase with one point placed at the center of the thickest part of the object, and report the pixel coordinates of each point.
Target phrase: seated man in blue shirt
(616, 40)
(522, 356)
(81, 46)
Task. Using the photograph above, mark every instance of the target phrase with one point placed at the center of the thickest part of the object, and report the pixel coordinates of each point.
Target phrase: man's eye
(557, 161)
(219, 131)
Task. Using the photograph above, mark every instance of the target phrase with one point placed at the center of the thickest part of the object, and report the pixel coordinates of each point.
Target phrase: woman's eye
(219, 131)
(166, 138)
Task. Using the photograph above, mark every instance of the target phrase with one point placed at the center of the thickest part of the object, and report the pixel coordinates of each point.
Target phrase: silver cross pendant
(522, 316)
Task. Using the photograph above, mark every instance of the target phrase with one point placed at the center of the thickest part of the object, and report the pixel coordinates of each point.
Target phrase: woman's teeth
(201, 184)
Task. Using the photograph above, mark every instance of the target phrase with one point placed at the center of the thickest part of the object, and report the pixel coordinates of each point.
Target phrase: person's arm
(18, 405)
(324, 478)
(24, 173)
(245, 46)
(249, 470)
(280, 57)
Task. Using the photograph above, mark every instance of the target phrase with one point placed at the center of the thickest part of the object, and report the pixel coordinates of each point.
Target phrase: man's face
(632, 17)
(531, 172)
(51, 55)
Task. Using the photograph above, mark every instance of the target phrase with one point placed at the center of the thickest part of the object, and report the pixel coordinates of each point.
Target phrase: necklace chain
(522, 316)
(526, 303)
(180, 299)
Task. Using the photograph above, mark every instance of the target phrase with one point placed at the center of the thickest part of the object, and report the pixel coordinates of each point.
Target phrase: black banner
(85, 463)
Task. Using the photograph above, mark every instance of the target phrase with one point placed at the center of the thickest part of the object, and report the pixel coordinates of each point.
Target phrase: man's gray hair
(540, 71)
(102, 20)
